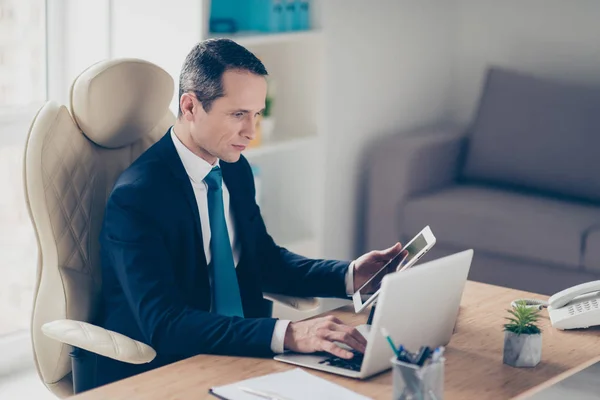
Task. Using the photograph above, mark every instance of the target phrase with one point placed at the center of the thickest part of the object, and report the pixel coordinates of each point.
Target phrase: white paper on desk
(296, 384)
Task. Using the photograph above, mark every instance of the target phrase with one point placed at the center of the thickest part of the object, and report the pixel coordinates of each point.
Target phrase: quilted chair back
(118, 109)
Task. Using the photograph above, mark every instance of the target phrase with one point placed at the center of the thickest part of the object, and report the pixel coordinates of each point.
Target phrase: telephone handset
(564, 297)
(575, 307)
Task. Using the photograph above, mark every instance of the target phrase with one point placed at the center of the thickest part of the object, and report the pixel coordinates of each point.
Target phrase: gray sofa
(521, 185)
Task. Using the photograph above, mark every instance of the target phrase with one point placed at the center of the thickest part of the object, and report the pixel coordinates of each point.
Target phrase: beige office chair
(72, 159)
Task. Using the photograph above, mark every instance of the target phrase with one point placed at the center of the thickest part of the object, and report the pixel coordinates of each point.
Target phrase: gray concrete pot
(522, 350)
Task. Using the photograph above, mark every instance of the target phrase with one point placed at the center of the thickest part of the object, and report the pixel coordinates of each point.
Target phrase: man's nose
(251, 127)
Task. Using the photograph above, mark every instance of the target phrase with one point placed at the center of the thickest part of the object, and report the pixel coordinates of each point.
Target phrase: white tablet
(410, 254)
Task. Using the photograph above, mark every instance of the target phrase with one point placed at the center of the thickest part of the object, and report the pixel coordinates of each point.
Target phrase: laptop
(418, 307)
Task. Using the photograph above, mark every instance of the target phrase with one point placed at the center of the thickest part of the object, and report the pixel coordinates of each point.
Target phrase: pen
(404, 355)
(437, 354)
(423, 355)
(264, 395)
(385, 333)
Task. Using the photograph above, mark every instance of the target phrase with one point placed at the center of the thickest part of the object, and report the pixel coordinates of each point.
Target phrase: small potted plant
(268, 120)
(522, 337)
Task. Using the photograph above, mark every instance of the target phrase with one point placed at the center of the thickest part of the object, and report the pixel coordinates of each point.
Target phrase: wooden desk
(557, 379)
(474, 368)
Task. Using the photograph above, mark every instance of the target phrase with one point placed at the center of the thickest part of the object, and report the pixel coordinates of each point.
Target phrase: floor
(23, 385)
(18, 376)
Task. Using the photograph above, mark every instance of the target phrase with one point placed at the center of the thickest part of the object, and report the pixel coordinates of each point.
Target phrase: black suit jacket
(155, 279)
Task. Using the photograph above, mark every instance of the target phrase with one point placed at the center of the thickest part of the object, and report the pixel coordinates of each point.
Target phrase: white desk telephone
(576, 307)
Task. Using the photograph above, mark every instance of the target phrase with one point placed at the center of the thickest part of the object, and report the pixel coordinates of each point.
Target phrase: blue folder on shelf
(303, 11)
(229, 16)
(267, 15)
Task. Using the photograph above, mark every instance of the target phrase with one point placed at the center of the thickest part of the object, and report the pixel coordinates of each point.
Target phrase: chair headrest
(117, 102)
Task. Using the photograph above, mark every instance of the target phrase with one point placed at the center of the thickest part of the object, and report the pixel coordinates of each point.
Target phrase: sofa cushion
(591, 250)
(503, 223)
(536, 133)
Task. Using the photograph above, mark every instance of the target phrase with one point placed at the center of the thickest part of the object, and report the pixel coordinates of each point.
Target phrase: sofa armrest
(299, 303)
(404, 166)
(99, 341)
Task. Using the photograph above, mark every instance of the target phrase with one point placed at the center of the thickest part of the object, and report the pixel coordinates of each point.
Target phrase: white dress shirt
(197, 169)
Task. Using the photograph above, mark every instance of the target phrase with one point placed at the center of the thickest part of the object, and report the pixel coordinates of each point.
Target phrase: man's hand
(368, 264)
(319, 334)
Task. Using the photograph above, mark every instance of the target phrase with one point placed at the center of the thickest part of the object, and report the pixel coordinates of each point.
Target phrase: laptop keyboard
(352, 364)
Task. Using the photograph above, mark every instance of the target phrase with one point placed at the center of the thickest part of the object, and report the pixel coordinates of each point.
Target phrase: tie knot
(214, 179)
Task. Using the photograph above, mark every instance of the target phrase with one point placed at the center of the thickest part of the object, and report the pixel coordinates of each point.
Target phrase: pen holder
(412, 382)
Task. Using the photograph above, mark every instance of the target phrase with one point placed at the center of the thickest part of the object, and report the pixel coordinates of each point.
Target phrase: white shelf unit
(252, 38)
(281, 145)
(290, 164)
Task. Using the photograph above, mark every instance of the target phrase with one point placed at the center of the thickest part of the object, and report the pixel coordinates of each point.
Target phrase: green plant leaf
(522, 320)
(268, 107)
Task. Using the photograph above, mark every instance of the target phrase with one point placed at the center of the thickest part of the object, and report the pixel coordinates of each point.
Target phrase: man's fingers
(332, 319)
(346, 338)
(387, 254)
(394, 250)
(354, 333)
(403, 260)
(336, 350)
(336, 324)
(380, 255)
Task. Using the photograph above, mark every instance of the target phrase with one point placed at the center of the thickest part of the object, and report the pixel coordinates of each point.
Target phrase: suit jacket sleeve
(288, 273)
(132, 241)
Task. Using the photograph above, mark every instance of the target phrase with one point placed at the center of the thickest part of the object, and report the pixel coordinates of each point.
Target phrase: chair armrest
(401, 167)
(99, 341)
(298, 303)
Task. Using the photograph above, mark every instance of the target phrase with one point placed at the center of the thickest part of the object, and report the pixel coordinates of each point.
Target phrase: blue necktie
(226, 291)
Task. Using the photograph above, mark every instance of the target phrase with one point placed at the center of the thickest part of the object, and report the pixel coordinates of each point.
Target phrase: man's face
(227, 129)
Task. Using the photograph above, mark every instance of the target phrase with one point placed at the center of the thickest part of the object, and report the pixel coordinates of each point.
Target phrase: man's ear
(189, 106)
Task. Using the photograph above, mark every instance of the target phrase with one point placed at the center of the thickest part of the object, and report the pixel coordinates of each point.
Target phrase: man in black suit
(185, 253)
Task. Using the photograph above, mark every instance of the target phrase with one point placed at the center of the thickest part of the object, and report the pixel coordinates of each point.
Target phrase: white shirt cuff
(278, 338)
(350, 279)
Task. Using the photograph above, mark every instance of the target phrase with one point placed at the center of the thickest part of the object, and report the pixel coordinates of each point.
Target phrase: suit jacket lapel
(170, 156)
(238, 208)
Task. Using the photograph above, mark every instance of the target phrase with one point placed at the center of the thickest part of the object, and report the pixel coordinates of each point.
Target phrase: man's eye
(238, 114)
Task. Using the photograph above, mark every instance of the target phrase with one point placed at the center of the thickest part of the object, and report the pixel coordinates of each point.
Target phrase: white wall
(388, 71)
(554, 38)
(89, 19)
(407, 63)
(158, 31)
